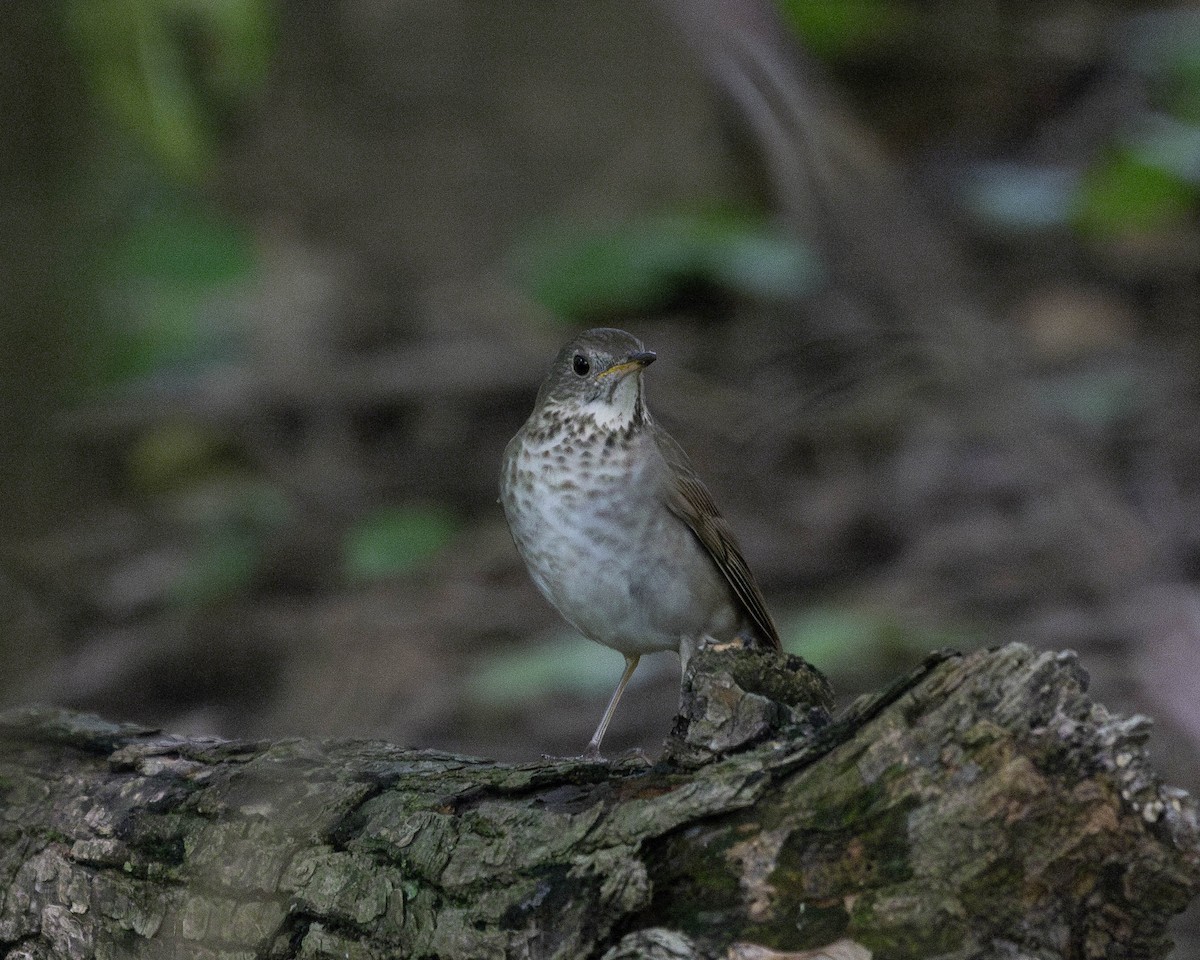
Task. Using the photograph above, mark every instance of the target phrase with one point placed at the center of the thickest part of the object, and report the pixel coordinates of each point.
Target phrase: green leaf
(1126, 193)
(186, 247)
(165, 70)
(173, 453)
(838, 638)
(160, 277)
(1097, 400)
(833, 28)
(565, 663)
(1172, 146)
(1019, 196)
(642, 265)
(222, 565)
(395, 540)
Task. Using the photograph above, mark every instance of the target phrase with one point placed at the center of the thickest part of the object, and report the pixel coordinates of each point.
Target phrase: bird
(617, 531)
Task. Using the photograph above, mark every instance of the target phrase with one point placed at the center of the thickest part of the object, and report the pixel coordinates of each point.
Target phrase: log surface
(983, 807)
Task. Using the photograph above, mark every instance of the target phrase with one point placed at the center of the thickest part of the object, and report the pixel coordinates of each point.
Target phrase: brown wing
(689, 499)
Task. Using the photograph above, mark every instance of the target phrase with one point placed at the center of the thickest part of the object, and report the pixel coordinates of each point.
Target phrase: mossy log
(983, 807)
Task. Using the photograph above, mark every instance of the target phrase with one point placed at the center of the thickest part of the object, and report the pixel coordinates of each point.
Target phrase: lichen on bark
(981, 801)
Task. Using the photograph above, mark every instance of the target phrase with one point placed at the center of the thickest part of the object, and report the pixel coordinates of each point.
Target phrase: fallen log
(982, 807)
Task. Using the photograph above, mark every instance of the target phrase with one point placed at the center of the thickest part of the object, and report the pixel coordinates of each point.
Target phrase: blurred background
(280, 280)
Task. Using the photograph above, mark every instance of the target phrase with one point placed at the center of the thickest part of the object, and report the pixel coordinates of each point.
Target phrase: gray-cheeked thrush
(617, 531)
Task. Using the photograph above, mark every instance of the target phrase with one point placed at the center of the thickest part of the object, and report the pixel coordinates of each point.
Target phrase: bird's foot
(588, 756)
(593, 755)
(637, 753)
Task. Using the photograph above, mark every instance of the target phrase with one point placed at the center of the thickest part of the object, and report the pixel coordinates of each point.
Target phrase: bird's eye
(580, 365)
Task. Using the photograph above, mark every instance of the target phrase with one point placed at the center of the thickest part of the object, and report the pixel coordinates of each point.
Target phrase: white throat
(618, 412)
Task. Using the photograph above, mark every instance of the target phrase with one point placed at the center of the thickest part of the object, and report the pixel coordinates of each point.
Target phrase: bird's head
(599, 374)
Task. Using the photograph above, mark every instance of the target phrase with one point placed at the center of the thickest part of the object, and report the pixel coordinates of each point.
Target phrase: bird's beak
(632, 363)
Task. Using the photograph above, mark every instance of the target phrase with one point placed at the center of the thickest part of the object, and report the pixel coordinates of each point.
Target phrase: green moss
(794, 683)
(155, 838)
(812, 923)
(993, 893)
(695, 890)
(908, 925)
(817, 925)
(857, 836)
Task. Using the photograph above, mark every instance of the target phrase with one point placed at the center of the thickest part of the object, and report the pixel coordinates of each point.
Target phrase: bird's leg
(593, 748)
(688, 647)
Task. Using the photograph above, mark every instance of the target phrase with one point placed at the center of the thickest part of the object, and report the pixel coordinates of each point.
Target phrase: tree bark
(983, 807)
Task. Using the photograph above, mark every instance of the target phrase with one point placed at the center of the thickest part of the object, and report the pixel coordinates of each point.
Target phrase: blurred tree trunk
(40, 93)
(903, 294)
(984, 807)
(42, 222)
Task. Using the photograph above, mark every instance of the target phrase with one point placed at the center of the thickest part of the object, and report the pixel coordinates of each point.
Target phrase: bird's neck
(618, 415)
(621, 412)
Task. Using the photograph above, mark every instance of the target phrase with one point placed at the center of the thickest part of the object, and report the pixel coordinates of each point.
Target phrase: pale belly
(616, 564)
